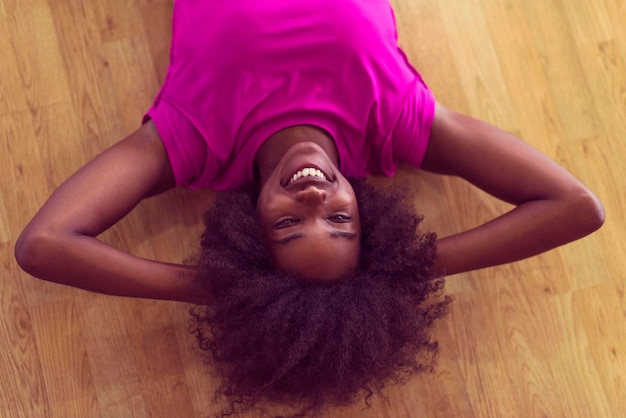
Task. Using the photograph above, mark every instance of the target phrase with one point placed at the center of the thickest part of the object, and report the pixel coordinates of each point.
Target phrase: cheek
(266, 204)
(263, 217)
(269, 211)
(348, 200)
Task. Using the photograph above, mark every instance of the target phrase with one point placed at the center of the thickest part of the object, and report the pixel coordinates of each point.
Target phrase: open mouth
(310, 172)
(307, 172)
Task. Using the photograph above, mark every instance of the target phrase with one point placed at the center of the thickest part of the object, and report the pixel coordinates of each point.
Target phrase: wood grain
(545, 337)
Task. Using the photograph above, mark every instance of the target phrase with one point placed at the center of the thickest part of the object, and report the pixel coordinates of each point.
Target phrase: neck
(272, 150)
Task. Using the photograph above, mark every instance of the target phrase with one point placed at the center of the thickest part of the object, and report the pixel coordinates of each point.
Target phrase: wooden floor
(545, 337)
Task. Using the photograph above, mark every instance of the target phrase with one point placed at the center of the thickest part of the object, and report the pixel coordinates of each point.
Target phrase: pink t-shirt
(241, 70)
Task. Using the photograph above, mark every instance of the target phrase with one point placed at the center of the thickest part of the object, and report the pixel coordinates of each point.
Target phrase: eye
(339, 218)
(286, 223)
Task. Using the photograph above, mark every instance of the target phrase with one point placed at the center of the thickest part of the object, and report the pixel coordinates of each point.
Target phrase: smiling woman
(307, 217)
(314, 289)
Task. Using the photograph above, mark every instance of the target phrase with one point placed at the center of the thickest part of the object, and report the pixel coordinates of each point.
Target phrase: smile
(307, 172)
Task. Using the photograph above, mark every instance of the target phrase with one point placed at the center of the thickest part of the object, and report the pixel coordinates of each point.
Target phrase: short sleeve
(411, 132)
(185, 147)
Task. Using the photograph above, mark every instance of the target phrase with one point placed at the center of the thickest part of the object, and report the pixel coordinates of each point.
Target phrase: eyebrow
(333, 234)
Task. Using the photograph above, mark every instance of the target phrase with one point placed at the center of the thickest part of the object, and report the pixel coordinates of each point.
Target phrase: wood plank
(110, 349)
(88, 73)
(607, 343)
(11, 98)
(477, 64)
(563, 66)
(23, 392)
(65, 366)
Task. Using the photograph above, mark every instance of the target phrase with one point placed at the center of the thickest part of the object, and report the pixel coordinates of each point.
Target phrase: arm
(552, 207)
(59, 243)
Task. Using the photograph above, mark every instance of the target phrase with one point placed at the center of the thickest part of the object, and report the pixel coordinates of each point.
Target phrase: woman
(295, 98)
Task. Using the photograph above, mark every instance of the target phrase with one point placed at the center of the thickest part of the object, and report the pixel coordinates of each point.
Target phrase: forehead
(325, 257)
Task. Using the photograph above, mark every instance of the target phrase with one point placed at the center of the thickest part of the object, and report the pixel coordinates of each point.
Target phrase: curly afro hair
(272, 338)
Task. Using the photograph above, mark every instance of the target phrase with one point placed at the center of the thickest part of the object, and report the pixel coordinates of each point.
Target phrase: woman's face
(309, 216)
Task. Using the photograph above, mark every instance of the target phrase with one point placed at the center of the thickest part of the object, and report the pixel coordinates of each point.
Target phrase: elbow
(22, 250)
(589, 211)
(29, 251)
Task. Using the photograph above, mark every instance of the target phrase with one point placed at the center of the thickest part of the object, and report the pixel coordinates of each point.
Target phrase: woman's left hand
(552, 206)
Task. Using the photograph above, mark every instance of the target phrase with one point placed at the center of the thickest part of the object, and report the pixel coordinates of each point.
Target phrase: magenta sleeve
(185, 147)
(412, 130)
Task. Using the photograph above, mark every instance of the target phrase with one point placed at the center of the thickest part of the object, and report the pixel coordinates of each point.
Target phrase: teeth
(308, 172)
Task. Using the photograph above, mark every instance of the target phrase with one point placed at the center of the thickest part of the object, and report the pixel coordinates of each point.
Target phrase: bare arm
(59, 243)
(552, 206)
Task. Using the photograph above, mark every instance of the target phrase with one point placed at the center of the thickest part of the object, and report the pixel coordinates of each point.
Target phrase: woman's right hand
(60, 245)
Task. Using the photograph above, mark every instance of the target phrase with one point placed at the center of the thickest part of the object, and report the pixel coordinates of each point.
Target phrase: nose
(312, 195)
